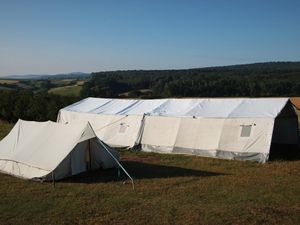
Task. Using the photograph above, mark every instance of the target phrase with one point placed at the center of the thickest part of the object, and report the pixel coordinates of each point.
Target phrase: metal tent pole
(117, 161)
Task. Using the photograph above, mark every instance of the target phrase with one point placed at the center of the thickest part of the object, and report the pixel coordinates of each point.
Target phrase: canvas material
(209, 135)
(253, 156)
(199, 107)
(196, 125)
(36, 149)
(114, 130)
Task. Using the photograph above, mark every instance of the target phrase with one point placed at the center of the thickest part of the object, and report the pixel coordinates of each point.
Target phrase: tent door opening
(285, 142)
(88, 159)
(78, 158)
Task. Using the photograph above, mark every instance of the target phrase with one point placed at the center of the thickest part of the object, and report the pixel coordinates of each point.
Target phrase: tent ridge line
(190, 116)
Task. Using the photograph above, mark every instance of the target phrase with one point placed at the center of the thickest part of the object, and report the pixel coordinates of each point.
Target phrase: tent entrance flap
(88, 156)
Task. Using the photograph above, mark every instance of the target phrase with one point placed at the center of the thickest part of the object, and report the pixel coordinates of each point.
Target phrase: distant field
(8, 81)
(170, 189)
(80, 82)
(73, 90)
(63, 81)
(66, 87)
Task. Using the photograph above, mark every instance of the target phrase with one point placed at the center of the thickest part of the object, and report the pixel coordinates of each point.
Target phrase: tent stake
(117, 161)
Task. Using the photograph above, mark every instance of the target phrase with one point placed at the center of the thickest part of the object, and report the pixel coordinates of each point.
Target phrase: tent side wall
(159, 134)
(246, 139)
(21, 170)
(115, 130)
(243, 138)
(199, 136)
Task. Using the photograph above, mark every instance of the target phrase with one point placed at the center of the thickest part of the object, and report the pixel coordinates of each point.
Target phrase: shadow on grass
(138, 170)
(284, 152)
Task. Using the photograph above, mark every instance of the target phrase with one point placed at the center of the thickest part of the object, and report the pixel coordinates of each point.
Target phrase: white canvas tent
(234, 128)
(48, 150)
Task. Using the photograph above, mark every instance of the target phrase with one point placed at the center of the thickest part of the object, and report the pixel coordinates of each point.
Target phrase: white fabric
(199, 133)
(199, 107)
(207, 134)
(161, 132)
(38, 148)
(114, 130)
(201, 126)
(259, 140)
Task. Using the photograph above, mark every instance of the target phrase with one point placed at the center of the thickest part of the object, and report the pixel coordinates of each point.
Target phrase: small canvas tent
(231, 128)
(48, 150)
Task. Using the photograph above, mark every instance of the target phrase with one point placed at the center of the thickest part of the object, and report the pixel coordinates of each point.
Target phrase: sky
(61, 36)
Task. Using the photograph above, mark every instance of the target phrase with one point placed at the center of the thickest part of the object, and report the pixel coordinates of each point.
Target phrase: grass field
(3, 81)
(72, 90)
(170, 189)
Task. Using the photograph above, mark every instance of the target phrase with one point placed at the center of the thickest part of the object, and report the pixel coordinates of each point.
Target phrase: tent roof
(199, 107)
(43, 145)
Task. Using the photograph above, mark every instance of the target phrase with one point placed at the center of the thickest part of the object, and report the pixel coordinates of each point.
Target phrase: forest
(27, 105)
(251, 80)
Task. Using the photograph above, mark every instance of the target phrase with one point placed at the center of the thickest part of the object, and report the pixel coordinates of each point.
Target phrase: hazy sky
(40, 36)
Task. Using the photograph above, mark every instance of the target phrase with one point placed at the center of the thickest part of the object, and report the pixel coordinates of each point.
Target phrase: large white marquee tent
(231, 128)
(52, 151)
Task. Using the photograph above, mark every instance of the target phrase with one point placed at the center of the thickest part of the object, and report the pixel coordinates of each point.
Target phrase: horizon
(194, 68)
(58, 37)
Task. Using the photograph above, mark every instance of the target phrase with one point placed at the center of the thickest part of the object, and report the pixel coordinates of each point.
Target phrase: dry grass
(80, 82)
(9, 81)
(62, 81)
(170, 189)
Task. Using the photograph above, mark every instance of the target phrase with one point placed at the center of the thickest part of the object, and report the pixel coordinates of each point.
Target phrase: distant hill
(267, 79)
(72, 82)
(73, 75)
(270, 66)
(247, 80)
(262, 66)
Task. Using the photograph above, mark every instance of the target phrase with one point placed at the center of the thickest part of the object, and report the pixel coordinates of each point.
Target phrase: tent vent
(246, 130)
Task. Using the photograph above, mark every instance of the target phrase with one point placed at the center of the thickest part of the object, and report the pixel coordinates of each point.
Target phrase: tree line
(27, 105)
(253, 80)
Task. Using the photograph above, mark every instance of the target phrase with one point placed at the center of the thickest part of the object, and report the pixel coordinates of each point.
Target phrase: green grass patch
(73, 90)
(170, 189)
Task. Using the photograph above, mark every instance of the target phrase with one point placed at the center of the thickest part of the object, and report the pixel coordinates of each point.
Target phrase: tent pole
(90, 157)
(53, 180)
(117, 161)
(137, 143)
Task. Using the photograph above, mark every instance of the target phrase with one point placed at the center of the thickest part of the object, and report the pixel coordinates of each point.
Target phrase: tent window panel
(123, 128)
(246, 130)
